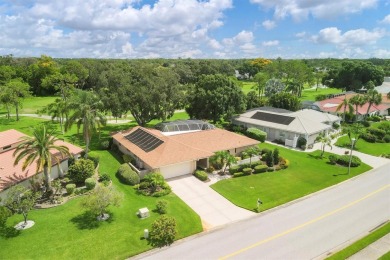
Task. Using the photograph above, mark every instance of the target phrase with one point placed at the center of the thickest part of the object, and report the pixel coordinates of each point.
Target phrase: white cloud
(270, 43)
(386, 20)
(91, 28)
(301, 9)
(300, 34)
(269, 25)
(358, 37)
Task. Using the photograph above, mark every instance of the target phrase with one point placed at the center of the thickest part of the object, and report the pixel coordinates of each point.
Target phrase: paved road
(307, 229)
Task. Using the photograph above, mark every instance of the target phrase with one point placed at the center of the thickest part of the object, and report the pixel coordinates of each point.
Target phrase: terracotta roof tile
(9, 137)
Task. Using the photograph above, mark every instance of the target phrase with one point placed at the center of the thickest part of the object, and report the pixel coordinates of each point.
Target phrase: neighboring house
(179, 147)
(330, 106)
(288, 126)
(11, 175)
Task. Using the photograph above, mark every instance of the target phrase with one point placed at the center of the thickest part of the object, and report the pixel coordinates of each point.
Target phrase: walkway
(213, 209)
(375, 250)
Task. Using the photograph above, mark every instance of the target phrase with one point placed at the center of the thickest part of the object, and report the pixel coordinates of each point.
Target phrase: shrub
(260, 168)
(104, 177)
(386, 138)
(365, 123)
(163, 231)
(332, 159)
(243, 166)
(238, 128)
(278, 168)
(269, 159)
(128, 159)
(154, 184)
(90, 183)
(264, 151)
(368, 137)
(234, 169)
(254, 164)
(104, 145)
(385, 125)
(238, 158)
(283, 163)
(247, 171)
(70, 188)
(238, 174)
(201, 175)
(270, 169)
(161, 206)
(321, 97)
(210, 169)
(335, 125)
(126, 175)
(301, 143)
(256, 134)
(95, 158)
(344, 160)
(80, 170)
(275, 155)
(379, 133)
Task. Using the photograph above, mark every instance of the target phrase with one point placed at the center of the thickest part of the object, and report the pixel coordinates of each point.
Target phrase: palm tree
(224, 159)
(357, 101)
(86, 106)
(40, 148)
(251, 151)
(373, 97)
(325, 141)
(344, 105)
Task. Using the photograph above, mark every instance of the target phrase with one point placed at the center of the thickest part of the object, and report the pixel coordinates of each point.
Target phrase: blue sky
(196, 29)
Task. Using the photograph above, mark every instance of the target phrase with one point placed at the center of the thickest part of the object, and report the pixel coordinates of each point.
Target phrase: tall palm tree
(40, 147)
(357, 101)
(373, 97)
(86, 106)
(344, 105)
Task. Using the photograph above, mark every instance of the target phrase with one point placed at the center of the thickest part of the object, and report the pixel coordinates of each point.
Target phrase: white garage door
(178, 169)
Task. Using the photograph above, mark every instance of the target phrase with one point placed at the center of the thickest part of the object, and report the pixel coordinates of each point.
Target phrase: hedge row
(127, 175)
(256, 134)
(201, 175)
(344, 160)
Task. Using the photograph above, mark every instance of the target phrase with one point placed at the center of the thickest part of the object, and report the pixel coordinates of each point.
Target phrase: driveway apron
(213, 209)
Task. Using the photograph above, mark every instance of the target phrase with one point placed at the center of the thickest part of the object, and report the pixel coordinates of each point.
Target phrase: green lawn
(310, 94)
(306, 174)
(247, 86)
(31, 105)
(362, 243)
(66, 232)
(375, 149)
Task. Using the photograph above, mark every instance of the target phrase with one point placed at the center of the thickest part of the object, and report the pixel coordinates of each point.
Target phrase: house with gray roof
(288, 126)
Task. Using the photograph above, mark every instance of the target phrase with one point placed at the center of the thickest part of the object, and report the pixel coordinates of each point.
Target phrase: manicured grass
(306, 174)
(67, 232)
(385, 256)
(31, 105)
(247, 86)
(310, 94)
(362, 243)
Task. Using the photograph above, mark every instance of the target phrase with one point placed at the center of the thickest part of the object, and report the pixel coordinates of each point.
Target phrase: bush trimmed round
(127, 175)
(201, 175)
(81, 170)
(247, 171)
(70, 188)
(90, 183)
(260, 168)
(234, 169)
(238, 174)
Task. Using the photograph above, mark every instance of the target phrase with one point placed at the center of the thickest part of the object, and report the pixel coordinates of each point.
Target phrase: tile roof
(9, 137)
(184, 146)
(10, 174)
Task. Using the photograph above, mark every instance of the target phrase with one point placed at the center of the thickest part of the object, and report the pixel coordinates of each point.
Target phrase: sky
(290, 29)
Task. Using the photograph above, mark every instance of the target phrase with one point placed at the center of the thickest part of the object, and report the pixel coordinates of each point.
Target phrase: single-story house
(177, 148)
(330, 106)
(11, 175)
(288, 126)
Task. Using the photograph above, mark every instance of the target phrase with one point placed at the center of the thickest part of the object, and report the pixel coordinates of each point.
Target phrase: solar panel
(273, 118)
(144, 140)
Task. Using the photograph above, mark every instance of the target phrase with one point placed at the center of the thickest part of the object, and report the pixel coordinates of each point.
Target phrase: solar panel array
(273, 118)
(144, 140)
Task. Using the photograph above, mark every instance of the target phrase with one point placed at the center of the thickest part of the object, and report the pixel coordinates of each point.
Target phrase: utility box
(143, 213)
(146, 233)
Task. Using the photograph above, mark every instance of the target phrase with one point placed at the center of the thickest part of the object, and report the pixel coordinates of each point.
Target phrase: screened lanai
(184, 125)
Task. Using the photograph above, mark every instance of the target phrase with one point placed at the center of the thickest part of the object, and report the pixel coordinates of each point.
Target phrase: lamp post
(259, 202)
(353, 140)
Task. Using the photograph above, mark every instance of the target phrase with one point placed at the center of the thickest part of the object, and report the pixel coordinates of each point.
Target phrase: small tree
(81, 170)
(5, 213)
(20, 200)
(325, 141)
(275, 156)
(163, 231)
(252, 151)
(223, 159)
(269, 159)
(99, 200)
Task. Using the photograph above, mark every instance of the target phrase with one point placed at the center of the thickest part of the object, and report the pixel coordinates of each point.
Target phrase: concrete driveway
(213, 209)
